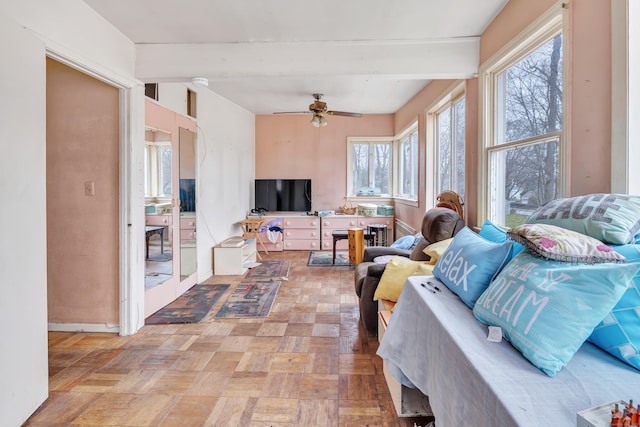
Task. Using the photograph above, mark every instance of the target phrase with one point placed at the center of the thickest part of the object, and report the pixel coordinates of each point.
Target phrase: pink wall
(588, 109)
(289, 147)
(82, 231)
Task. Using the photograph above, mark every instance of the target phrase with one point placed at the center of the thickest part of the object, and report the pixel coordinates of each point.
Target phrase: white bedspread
(434, 343)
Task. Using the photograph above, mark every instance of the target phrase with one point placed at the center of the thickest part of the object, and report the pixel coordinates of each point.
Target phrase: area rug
(278, 270)
(250, 299)
(325, 259)
(160, 257)
(190, 307)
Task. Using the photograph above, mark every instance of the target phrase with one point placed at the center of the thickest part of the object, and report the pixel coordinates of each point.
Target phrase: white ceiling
(368, 56)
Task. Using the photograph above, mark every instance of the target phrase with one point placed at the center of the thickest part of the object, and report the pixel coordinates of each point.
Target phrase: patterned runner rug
(325, 259)
(278, 270)
(189, 307)
(250, 299)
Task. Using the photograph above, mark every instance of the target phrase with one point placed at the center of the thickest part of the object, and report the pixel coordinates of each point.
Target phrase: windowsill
(369, 198)
(407, 202)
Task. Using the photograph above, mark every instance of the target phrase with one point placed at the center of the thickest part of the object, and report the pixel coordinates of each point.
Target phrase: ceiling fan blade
(344, 113)
(293, 112)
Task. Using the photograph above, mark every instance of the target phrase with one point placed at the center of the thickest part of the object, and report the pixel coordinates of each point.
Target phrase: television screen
(286, 195)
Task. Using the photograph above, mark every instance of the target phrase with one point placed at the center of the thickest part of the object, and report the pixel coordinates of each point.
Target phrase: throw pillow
(495, 233)
(619, 332)
(404, 242)
(547, 309)
(392, 281)
(424, 270)
(469, 264)
(560, 244)
(612, 218)
(435, 250)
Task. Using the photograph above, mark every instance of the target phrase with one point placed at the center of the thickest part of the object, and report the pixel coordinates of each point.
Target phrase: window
(370, 166)
(408, 165)
(450, 143)
(157, 167)
(523, 130)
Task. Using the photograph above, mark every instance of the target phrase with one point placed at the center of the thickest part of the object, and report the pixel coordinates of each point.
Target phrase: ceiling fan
(319, 108)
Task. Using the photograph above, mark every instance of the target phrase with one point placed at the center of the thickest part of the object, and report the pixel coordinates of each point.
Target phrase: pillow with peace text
(612, 218)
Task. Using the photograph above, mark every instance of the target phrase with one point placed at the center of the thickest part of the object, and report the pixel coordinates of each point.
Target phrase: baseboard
(83, 327)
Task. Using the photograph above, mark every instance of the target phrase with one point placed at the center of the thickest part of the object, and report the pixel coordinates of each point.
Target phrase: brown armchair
(438, 224)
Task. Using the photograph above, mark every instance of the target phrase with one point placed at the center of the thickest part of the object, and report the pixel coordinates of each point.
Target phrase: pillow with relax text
(619, 332)
(469, 263)
(547, 309)
(611, 218)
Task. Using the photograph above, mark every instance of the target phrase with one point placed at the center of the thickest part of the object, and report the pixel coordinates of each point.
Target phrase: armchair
(437, 224)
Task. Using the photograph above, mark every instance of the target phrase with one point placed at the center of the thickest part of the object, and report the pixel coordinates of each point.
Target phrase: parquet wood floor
(310, 363)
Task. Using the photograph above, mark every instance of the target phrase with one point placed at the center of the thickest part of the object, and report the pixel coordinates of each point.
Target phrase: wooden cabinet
(231, 260)
(162, 220)
(301, 233)
(187, 228)
(331, 223)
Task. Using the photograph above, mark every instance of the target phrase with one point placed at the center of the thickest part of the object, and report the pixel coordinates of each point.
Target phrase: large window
(523, 126)
(370, 167)
(451, 147)
(408, 165)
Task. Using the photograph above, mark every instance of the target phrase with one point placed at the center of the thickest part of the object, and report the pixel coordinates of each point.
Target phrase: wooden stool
(251, 230)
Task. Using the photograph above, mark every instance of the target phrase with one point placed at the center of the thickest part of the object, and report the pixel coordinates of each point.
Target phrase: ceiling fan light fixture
(315, 121)
(323, 121)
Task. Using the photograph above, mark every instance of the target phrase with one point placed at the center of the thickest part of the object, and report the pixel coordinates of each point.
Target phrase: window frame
(398, 142)
(351, 141)
(153, 168)
(543, 29)
(453, 94)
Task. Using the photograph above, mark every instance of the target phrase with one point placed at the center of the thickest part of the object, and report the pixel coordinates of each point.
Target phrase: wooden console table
(150, 230)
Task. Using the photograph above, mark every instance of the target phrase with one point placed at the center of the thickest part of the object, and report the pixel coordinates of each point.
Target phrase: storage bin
(385, 210)
(365, 209)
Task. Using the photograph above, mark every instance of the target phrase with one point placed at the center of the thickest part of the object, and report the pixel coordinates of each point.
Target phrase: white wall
(225, 169)
(23, 257)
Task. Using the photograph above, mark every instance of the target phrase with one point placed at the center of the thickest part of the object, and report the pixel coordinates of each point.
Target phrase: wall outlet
(89, 188)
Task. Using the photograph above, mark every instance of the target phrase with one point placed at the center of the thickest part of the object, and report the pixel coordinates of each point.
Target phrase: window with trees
(450, 143)
(370, 166)
(408, 164)
(523, 128)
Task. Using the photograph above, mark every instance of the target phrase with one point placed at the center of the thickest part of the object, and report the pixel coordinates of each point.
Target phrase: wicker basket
(348, 208)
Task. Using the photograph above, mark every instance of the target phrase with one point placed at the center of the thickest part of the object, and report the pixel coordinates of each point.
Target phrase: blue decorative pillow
(405, 242)
(612, 218)
(469, 264)
(619, 332)
(494, 233)
(547, 309)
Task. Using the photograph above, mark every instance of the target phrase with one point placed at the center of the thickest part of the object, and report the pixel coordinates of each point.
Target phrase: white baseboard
(83, 327)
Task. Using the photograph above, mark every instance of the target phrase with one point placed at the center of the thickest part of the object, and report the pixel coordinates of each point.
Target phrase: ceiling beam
(455, 58)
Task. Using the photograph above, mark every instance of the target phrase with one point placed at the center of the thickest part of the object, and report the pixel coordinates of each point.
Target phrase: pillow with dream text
(494, 233)
(469, 263)
(619, 332)
(547, 309)
(612, 218)
(560, 244)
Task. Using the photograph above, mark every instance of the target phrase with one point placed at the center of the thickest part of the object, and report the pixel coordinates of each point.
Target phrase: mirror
(158, 189)
(187, 174)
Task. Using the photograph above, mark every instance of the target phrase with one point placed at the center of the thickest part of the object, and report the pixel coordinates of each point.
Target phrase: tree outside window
(450, 136)
(524, 158)
(371, 167)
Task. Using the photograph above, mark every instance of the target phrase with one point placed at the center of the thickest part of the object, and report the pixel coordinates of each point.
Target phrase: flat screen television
(286, 195)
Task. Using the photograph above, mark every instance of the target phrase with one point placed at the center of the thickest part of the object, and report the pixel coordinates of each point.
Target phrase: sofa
(437, 224)
(553, 330)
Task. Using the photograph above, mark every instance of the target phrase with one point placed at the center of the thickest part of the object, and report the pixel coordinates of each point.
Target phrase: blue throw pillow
(405, 242)
(612, 218)
(494, 233)
(469, 264)
(619, 332)
(547, 309)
